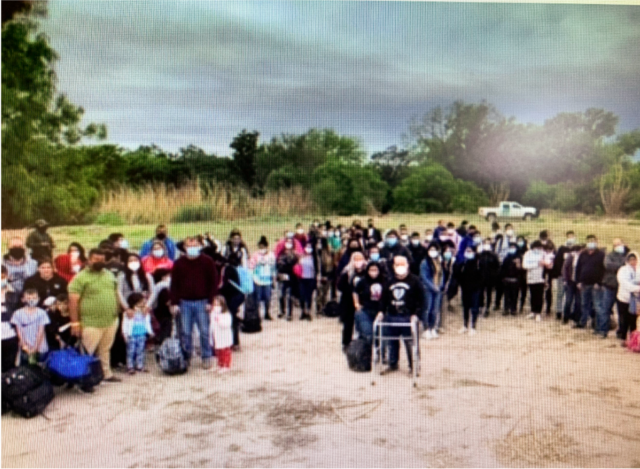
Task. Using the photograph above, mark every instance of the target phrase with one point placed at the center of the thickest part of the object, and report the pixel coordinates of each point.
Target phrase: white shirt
(628, 280)
(530, 262)
(221, 332)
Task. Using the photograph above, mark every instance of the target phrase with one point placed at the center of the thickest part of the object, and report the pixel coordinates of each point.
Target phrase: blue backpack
(246, 281)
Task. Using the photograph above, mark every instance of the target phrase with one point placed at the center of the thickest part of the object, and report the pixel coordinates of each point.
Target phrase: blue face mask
(375, 256)
(193, 251)
(512, 251)
(469, 255)
(447, 256)
(520, 243)
(392, 242)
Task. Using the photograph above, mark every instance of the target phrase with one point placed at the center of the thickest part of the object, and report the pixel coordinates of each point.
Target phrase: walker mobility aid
(380, 328)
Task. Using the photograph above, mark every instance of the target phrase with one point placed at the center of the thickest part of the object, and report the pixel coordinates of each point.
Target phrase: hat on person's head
(41, 223)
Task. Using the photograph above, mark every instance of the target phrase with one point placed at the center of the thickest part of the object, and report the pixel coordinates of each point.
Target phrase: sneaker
(268, 318)
(531, 316)
(538, 317)
(434, 334)
(558, 316)
(486, 313)
(427, 334)
(462, 330)
(87, 389)
(112, 379)
(206, 364)
(389, 369)
(472, 331)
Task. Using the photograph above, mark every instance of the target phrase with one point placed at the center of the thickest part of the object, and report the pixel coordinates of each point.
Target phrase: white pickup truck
(508, 210)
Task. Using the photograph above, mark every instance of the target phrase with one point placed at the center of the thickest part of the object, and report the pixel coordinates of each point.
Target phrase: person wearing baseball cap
(40, 242)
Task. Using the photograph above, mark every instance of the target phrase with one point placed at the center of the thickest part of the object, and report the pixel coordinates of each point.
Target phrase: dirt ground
(517, 394)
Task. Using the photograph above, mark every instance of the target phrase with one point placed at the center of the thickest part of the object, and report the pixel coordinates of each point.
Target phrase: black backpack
(359, 355)
(26, 391)
(331, 309)
(251, 322)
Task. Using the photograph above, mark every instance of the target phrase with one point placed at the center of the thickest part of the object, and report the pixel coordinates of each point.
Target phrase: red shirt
(64, 267)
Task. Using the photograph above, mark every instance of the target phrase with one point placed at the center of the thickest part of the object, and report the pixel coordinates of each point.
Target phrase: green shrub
(109, 219)
(194, 214)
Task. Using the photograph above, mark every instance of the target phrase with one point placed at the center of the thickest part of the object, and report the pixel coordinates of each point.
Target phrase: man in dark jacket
(561, 255)
(489, 268)
(418, 252)
(402, 300)
(373, 232)
(509, 277)
(473, 239)
(391, 249)
(589, 276)
(462, 229)
(612, 263)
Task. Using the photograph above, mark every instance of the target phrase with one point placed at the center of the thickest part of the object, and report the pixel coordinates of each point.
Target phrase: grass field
(273, 228)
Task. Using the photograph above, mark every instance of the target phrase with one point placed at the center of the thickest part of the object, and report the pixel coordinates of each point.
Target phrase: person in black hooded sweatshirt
(418, 253)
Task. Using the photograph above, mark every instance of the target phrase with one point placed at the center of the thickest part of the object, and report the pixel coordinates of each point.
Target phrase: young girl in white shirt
(221, 333)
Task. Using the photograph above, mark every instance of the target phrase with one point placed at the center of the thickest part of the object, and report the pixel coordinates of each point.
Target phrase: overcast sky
(180, 73)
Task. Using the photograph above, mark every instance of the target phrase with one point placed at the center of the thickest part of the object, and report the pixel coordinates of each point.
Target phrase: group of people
(117, 302)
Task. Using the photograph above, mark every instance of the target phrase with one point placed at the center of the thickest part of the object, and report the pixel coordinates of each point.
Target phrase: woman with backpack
(231, 291)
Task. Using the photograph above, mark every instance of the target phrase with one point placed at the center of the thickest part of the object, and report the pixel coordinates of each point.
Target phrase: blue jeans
(590, 303)
(603, 320)
(194, 312)
(262, 293)
(135, 352)
(307, 287)
(393, 346)
(364, 323)
(431, 315)
(571, 303)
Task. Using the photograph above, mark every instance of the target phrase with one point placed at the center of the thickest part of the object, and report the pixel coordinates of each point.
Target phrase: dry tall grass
(152, 203)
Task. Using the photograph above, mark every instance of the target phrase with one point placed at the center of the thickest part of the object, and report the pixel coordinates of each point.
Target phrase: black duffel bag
(359, 355)
(331, 309)
(26, 390)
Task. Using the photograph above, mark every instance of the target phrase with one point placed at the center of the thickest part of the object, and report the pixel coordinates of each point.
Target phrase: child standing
(222, 334)
(59, 330)
(30, 322)
(263, 264)
(534, 262)
(136, 324)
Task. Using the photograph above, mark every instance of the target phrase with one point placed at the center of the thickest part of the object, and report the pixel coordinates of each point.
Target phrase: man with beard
(93, 309)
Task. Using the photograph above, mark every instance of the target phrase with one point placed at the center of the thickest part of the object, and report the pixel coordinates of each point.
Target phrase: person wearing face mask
(523, 248)
(286, 264)
(429, 236)
(628, 279)
(561, 255)
(47, 283)
(450, 234)
(490, 270)
(30, 322)
(159, 302)
(462, 229)
(392, 248)
(300, 235)
(402, 303)
(418, 252)
(404, 234)
(451, 285)
(327, 285)
(263, 265)
(93, 309)
(161, 235)
(434, 278)
(235, 251)
(500, 245)
(473, 239)
(19, 266)
(308, 279)
(133, 279)
(10, 342)
(509, 277)
(353, 245)
(590, 272)
(69, 264)
(40, 242)
(571, 310)
(120, 246)
(112, 262)
(297, 247)
(368, 300)
(194, 285)
(157, 259)
(439, 230)
(613, 261)
(470, 280)
(495, 231)
(352, 274)
(534, 263)
(373, 232)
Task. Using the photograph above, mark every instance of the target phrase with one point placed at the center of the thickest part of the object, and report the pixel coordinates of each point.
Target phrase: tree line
(453, 159)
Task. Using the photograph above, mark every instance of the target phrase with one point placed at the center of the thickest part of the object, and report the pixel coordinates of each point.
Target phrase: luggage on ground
(26, 391)
(170, 357)
(251, 322)
(70, 365)
(331, 309)
(359, 355)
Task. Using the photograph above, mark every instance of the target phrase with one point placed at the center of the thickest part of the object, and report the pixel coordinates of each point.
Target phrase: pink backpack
(633, 343)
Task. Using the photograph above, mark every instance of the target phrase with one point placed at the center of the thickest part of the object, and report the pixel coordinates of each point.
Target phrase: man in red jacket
(194, 284)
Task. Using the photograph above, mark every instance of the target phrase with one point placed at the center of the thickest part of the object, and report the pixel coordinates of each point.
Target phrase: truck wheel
(528, 217)
(491, 217)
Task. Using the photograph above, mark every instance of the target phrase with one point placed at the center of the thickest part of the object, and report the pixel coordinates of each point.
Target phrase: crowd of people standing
(115, 301)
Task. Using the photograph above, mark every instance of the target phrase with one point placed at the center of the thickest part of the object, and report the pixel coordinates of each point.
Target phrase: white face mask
(469, 255)
(451, 231)
(300, 231)
(619, 249)
(288, 246)
(32, 303)
(308, 250)
(571, 241)
(216, 309)
(263, 251)
(428, 237)
(433, 254)
(76, 268)
(487, 247)
(404, 237)
(74, 255)
(401, 270)
(134, 266)
(124, 244)
(592, 245)
(290, 234)
(158, 253)
(415, 242)
(509, 232)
